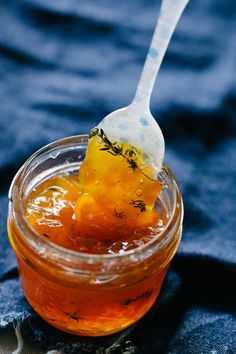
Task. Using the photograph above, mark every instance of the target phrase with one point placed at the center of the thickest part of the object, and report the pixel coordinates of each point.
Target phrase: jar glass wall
(80, 293)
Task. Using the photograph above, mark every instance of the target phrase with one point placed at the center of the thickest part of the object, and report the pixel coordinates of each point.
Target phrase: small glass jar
(87, 294)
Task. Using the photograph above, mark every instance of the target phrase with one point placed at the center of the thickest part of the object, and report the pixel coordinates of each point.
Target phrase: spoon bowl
(140, 130)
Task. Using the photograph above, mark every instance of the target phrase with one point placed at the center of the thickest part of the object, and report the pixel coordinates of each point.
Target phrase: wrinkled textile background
(64, 65)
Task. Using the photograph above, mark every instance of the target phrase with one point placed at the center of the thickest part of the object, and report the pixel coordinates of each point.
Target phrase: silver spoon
(134, 123)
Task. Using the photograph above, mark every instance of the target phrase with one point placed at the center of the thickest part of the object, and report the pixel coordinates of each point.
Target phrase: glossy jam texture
(108, 208)
(94, 307)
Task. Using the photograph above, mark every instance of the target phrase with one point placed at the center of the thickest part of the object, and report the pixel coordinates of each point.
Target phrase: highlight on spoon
(138, 129)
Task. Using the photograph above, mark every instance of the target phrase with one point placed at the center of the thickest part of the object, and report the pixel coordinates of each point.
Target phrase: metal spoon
(134, 123)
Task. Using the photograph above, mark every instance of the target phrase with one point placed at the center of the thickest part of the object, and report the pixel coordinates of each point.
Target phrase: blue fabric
(64, 65)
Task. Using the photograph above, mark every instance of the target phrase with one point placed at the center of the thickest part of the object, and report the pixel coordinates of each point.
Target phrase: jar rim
(30, 234)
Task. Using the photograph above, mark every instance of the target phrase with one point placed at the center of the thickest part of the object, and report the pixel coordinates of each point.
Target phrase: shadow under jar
(80, 293)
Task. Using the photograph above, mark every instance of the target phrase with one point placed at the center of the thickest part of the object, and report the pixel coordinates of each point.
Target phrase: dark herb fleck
(119, 214)
(128, 301)
(74, 315)
(54, 189)
(115, 149)
(133, 164)
(138, 204)
(130, 152)
(144, 296)
(46, 235)
(105, 148)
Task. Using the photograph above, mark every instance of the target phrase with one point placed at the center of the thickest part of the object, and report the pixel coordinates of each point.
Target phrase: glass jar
(80, 293)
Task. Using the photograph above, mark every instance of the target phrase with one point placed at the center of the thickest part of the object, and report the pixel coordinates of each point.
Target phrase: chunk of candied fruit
(119, 189)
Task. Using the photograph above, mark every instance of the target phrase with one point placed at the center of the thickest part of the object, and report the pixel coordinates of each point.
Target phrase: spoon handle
(170, 13)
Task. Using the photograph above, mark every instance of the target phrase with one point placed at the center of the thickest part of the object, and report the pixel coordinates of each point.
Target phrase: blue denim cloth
(64, 65)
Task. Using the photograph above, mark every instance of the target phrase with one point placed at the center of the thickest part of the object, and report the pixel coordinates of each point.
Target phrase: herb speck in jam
(138, 204)
(116, 149)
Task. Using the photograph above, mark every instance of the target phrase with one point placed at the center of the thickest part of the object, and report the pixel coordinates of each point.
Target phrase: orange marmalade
(93, 234)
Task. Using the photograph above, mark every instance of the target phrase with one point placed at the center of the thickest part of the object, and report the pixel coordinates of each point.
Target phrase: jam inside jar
(84, 293)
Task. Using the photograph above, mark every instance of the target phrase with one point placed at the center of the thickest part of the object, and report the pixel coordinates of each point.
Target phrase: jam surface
(108, 207)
